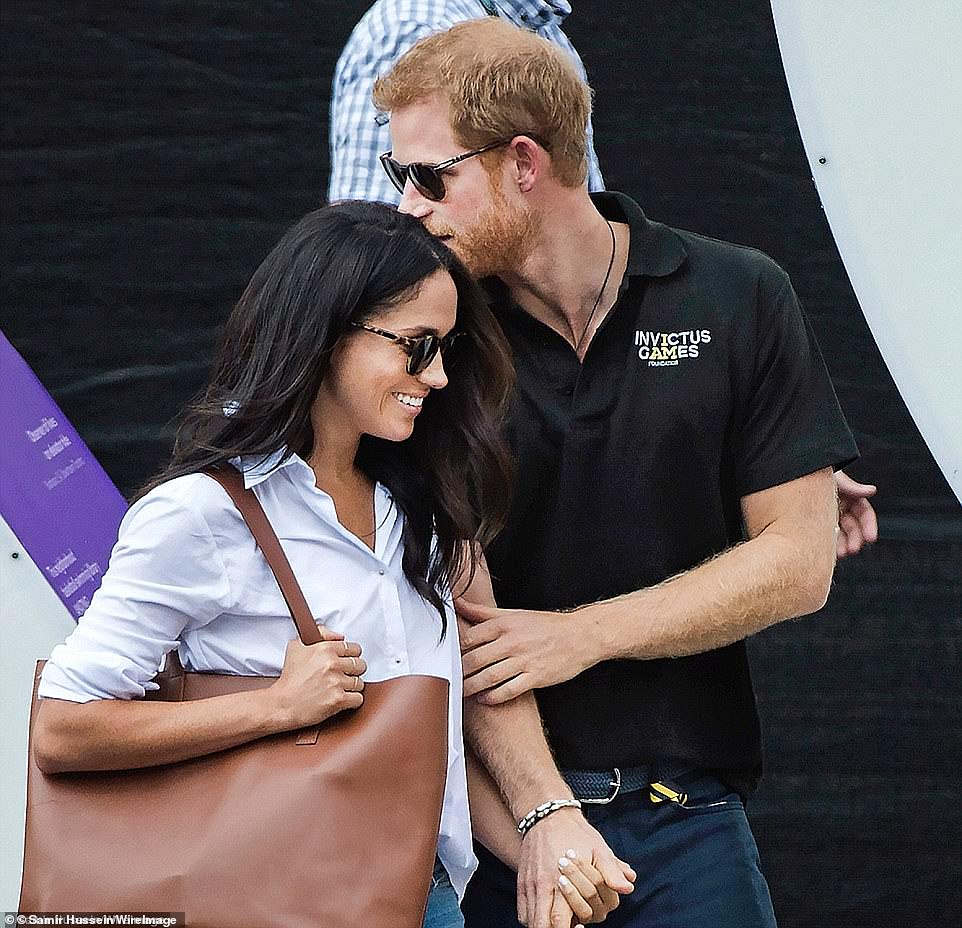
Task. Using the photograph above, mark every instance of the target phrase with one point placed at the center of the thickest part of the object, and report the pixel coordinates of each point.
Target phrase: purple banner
(54, 495)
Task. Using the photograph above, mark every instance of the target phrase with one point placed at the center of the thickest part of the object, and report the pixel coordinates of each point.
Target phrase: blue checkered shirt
(387, 31)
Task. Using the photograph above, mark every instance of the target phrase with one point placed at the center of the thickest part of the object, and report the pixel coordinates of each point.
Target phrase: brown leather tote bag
(329, 827)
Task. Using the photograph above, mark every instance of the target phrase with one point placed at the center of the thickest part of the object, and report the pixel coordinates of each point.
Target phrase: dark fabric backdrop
(153, 151)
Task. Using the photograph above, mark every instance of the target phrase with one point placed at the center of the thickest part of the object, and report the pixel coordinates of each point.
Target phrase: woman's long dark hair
(341, 264)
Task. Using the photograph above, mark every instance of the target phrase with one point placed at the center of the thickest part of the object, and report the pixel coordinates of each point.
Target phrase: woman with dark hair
(380, 476)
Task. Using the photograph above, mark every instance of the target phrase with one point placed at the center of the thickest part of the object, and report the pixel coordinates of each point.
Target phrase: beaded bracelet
(543, 811)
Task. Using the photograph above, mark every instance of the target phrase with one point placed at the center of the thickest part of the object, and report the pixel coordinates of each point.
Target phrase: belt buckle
(615, 783)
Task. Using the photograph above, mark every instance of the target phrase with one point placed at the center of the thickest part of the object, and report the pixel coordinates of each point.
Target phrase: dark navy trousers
(697, 867)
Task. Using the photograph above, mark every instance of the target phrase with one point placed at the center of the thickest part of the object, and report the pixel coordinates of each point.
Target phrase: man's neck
(560, 281)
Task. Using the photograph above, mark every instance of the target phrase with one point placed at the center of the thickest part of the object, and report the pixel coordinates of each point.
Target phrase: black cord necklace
(604, 284)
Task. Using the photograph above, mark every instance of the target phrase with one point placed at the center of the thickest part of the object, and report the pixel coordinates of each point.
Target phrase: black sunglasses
(420, 349)
(428, 179)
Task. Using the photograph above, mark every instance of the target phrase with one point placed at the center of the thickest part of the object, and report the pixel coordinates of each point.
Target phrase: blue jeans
(443, 910)
(697, 868)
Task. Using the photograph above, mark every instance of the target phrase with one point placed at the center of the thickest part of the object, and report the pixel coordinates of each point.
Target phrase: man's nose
(414, 203)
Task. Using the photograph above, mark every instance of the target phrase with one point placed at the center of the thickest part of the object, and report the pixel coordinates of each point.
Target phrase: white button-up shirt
(185, 573)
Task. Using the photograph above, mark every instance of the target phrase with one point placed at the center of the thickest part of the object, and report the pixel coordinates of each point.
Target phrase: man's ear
(529, 161)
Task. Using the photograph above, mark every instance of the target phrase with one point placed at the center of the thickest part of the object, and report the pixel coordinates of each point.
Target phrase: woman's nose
(433, 375)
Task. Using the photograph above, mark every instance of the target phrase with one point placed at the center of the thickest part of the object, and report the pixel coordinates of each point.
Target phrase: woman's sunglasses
(420, 349)
(428, 179)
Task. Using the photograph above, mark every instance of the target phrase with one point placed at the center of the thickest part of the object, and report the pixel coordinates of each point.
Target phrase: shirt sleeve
(790, 421)
(357, 137)
(165, 573)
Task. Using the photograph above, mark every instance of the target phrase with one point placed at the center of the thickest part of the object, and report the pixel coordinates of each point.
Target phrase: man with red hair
(675, 434)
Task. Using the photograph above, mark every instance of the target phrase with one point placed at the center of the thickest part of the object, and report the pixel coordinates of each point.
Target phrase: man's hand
(567, 832)
(506, 652)
(857, 522)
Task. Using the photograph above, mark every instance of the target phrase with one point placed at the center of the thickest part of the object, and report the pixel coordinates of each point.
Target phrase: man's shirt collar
(655, 250)
(535, 13)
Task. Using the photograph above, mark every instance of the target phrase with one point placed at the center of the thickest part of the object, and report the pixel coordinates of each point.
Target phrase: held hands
(506, 652)
(318, 680)
(586, 888)
(857, 522)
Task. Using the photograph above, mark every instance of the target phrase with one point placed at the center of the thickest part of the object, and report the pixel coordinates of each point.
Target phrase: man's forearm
(509, 740)
(784, 571)
(739, 592)
(491, 821)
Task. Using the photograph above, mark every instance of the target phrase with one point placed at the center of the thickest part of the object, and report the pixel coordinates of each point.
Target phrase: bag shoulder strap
(260, 526)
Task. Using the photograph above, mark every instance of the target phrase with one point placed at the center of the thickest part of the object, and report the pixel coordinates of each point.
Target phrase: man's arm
(509, 740)
(492, 823)
(784, 570)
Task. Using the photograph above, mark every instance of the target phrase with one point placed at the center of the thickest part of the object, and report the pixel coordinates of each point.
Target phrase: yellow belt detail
(662, 792)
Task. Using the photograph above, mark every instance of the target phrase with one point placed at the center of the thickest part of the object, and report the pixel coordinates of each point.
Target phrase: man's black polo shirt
(703, 384)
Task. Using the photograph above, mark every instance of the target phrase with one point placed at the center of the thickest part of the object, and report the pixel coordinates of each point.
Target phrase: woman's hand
(588, 896)
(539, 874)
(318, 680)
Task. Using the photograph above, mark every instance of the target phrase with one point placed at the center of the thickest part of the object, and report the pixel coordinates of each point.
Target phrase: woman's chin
(394, 431)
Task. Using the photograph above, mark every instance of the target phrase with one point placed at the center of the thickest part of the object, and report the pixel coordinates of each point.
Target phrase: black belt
(599, 787)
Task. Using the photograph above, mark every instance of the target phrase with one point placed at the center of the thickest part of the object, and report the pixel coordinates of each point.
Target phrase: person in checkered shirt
(387, 31)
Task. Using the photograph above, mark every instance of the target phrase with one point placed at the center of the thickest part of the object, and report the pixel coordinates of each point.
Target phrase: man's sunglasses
(420, 349)
(428, 179)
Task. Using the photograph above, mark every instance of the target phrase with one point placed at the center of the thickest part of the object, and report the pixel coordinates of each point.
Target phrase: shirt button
(381, 572)
(397, 660)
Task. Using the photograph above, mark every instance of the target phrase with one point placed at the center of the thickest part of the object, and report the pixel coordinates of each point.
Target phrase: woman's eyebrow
(416, 330)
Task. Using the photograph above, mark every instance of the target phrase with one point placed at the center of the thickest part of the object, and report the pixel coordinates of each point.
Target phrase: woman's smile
(410, 401)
